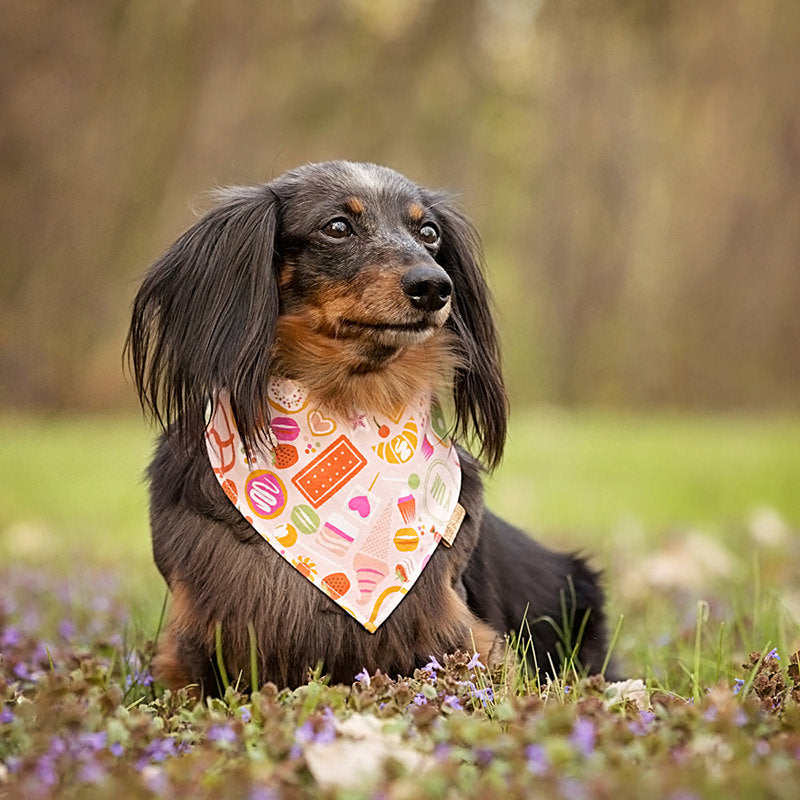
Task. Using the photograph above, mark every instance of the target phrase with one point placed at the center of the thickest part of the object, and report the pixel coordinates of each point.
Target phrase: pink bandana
(357, 506)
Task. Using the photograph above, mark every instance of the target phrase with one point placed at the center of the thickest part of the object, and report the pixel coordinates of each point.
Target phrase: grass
(694, 521)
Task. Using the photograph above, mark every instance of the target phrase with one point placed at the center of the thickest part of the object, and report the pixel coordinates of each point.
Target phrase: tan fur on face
(348, 366)
(332, 368)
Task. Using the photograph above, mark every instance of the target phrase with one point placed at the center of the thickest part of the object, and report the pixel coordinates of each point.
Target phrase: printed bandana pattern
(357, 506)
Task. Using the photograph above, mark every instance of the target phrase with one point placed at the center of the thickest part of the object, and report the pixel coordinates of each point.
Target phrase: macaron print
(406, 540)
(305, 519)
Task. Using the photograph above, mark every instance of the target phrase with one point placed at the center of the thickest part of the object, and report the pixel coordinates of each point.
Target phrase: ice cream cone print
(370, 562)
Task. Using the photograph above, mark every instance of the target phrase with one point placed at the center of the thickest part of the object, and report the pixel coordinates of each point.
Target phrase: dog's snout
(428, 288)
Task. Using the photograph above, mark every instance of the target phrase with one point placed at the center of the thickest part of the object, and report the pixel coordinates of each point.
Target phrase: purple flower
(116, 749)
(737, 685)
(474, 662)
(158, 750)
(772, 655)
(433, 665)
(420, 699)
(221, 733)
(6, 716)
(10, 638)
(639, 727)
(91, 772)
(363, 677)
(451, 701)
(486, 695)
(46, 770)
(538, 762)
(317, 730)
(583, 736)
(66, 629)
(92, 741)
(245, 714)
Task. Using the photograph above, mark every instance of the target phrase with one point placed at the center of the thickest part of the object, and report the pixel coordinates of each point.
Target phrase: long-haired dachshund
(290, 324)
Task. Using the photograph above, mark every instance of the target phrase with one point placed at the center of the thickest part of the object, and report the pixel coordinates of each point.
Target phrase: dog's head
(346, 277)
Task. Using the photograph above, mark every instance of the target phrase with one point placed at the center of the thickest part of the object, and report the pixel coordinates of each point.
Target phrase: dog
(345, 291)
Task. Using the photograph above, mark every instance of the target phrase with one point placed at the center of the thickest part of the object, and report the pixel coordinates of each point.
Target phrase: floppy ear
(204, 318)
(479, 393)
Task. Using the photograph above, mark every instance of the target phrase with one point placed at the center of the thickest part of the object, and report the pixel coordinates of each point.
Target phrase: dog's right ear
(204, 318)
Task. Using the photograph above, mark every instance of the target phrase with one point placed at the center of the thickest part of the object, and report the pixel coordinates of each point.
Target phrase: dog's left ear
(204, 318)
(479, 393)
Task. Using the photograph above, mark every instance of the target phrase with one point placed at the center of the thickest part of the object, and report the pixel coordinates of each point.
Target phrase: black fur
(304, 277)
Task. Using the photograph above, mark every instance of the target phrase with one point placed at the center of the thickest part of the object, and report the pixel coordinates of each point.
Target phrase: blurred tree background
(633, 167)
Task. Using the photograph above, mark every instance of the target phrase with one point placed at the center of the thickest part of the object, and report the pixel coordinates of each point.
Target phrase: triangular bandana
(356, 505)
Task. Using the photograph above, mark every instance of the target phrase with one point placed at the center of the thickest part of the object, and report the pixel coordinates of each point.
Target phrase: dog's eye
(338, 228)
(429, 233)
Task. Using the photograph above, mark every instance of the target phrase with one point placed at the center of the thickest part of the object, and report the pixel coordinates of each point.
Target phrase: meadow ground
(695, 522)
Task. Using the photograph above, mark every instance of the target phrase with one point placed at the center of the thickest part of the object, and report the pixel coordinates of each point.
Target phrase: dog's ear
(204, 318)
(479, 393)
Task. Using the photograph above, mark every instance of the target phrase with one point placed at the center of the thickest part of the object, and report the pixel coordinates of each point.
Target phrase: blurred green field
(668, 507)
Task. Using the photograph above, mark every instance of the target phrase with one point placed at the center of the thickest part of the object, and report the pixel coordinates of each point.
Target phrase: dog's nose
(428, 288)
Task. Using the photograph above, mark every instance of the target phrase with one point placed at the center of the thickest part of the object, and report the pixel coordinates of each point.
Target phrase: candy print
(286, 534)
(439, 498)
(286, 395)
(319, 424)
(336, 585)
(406, 539)
(266, 494)
(329, 471)
(408, 507)
(285, 429)
(305, 566)
(336, 535)
(401, 447)
(304, 498)
(284, 456)
(229, 487)
(219, 435)
(305, 518)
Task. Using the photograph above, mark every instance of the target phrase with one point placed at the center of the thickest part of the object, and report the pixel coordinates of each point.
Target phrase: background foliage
(632, 166)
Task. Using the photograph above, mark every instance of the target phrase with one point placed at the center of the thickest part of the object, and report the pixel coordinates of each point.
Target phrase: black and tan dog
(365, 289)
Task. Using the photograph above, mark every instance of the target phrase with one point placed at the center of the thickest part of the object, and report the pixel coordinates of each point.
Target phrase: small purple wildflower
(475, 662)
(10, 638)
(451, 701)
(583, 736)
(738, 684)
(431, 668)
(91, 772)
(363, 677)
(420, 699)
(486, 695)
(157, 751)
(772, 655)
(6, 716)
(245, 714)
(221, 733)
(639, 727)
(433, 664)
(536, 756)
(319, 730)
(116, 749)
(66, 629)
